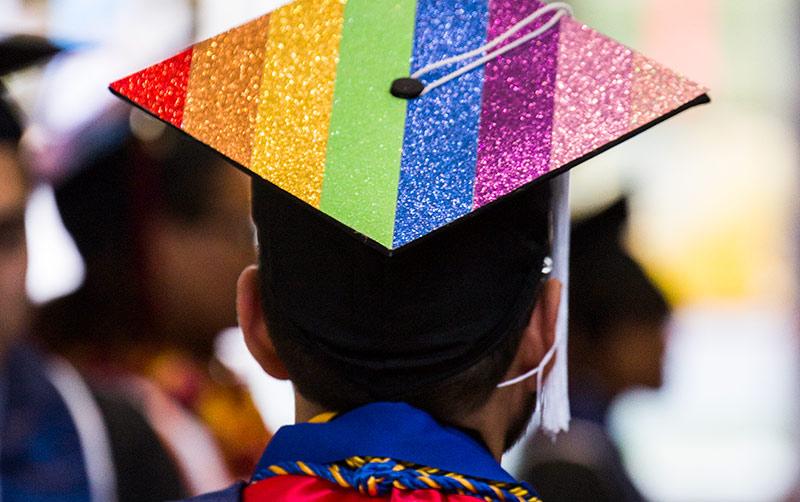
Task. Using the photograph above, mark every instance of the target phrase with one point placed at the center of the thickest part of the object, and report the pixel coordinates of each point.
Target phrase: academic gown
(45, 454)
(41, 457)
(384, 438)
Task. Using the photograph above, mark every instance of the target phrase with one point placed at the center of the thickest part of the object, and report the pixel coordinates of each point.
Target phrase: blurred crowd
(124, 369)
(115, 392)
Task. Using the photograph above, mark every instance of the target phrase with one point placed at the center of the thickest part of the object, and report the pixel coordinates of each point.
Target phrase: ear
(540, 334)
(254, 326)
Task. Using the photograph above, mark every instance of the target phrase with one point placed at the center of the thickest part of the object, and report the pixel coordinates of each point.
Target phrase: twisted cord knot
(377, 477)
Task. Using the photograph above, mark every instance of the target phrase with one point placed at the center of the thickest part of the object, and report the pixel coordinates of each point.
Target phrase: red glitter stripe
(161, 88)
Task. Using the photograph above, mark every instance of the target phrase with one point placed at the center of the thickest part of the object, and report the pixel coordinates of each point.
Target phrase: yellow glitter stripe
(297, 96)
(223, 91)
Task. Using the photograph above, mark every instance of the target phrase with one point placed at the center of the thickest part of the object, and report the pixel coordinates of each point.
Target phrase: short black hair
(466, 294)
(103, 203)
(322, 379)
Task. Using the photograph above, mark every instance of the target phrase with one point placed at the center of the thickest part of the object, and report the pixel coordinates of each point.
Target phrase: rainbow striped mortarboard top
(300, 97)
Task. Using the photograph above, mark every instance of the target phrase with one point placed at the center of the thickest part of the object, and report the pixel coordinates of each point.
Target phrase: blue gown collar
(394, 430)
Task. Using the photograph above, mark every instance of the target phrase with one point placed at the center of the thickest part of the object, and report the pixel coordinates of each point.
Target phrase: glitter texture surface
(297, 96)
(161, 89)
(517, 118)
(366, 134)
(441, 135)
(593, 93)
(301, 98)
(657, 91)
(223, 93)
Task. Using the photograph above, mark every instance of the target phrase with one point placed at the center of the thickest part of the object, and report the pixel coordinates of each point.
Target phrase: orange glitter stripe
(297, 96)
(224, 87)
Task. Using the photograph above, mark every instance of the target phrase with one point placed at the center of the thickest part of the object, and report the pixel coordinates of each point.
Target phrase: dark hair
(10, 128)
(103, 207)
(105, 200)
(607, 286)
(11, 133)
(185, 177)
(436, 326)
(323, 380)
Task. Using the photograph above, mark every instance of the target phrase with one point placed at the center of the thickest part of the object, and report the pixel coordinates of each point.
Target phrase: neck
(305, 410)
(492, 422)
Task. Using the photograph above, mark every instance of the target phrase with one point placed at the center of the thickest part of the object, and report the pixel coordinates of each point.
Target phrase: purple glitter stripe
(517, 116)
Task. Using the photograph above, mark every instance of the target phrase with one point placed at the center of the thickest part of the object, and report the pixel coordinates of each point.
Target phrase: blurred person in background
(617, 330)
(60, 440)
(163, 229)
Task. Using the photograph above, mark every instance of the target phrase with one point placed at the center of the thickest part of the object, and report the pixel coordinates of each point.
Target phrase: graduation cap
(301, 98)
(18, 52)
(424, 128)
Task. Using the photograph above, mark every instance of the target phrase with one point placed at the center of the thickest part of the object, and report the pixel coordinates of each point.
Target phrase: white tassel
(554, 399)
(552, 412)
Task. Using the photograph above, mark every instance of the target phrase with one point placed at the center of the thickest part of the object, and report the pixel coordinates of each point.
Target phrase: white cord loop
(547, 269)
(561, 9)
(539, 370)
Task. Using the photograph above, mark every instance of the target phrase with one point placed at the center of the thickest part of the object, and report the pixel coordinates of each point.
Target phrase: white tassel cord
(555, 394)
(561, 9)
(552, 411)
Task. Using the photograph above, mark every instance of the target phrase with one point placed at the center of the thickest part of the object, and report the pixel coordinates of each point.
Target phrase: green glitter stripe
(365, 141)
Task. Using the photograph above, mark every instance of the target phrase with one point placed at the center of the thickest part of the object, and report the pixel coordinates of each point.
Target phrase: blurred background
(713, 215)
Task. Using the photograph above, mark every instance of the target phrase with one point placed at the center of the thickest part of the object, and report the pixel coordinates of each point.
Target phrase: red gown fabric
(308, 489)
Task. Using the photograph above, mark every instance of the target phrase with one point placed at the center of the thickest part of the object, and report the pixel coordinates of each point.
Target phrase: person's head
(163, 228)
(437, 325)
(13, 254)
(618, 316)
(196, 242)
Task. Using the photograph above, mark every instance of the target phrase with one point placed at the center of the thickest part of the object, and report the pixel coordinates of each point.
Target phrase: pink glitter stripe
(593, 93)
(517, 113)
(657, 91)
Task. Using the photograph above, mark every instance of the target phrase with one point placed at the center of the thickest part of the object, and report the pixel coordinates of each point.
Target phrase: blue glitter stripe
(437, 171)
